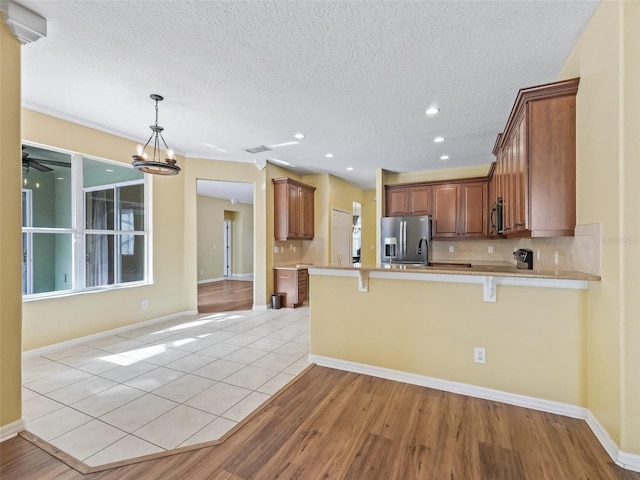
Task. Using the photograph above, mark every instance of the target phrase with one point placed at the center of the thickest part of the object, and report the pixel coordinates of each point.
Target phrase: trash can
(276, 301)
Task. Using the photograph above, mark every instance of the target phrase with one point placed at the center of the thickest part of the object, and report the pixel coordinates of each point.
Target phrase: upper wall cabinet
(407, 199)
(535, 175)
(293, 209)
(460, 209)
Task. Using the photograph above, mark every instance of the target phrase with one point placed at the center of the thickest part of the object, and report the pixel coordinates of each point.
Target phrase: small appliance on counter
(524, 258)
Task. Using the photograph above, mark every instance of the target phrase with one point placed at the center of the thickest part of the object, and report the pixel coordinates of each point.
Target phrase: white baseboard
(76, 341)
(248, 277)
(11, 430)
(210, 280)
(627, 461)
(603, 437)
(262, 307)
(234, 276)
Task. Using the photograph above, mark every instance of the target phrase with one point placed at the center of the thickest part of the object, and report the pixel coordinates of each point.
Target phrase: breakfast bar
(422, 324)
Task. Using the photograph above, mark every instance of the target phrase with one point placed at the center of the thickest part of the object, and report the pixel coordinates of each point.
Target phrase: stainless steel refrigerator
(405, 239)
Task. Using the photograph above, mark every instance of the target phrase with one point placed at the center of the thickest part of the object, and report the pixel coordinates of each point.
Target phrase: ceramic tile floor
(172, 384)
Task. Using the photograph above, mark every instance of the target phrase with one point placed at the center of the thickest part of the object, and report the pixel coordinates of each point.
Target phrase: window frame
(78, 229)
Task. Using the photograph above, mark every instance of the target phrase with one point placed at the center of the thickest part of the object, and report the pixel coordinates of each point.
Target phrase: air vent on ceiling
(260, 149)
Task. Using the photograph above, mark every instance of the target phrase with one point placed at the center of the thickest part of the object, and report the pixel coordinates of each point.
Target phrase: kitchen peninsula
(421, 324)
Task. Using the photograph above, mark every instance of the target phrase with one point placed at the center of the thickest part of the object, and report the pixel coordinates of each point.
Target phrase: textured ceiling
(354, 77)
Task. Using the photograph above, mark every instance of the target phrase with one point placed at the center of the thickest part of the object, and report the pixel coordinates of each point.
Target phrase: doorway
(225, 250)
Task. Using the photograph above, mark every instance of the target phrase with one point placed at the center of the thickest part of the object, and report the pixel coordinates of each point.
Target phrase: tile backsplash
(579, 253)
(293, 252)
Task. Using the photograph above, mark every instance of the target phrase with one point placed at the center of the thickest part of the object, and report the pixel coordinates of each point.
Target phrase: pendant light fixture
(155, 165)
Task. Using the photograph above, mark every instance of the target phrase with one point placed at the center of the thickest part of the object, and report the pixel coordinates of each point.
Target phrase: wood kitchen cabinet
(460, 209)
(293, 209)
(294, 283)
(536, 162)
(407, 199)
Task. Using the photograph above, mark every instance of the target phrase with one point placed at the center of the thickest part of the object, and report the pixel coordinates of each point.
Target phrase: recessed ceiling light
(432, 111)
(285, 144)
(329, 155)
(59, 178)
(444, 157)
(349, 168)
(299, 135)
(438, 139)
(109, 170)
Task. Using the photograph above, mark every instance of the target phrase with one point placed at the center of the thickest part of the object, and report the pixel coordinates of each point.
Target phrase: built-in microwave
(496, 217)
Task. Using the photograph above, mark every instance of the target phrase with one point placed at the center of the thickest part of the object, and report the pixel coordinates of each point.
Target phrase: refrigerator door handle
(400, 241)
(404, 240)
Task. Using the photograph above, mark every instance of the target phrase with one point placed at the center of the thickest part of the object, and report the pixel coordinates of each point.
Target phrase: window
(84, 223)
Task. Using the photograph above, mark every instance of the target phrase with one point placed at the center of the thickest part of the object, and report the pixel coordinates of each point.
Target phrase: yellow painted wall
(630, 429)
(322, 213)
(53, 320)
(210, 224)
(10, 236)
(431, 328)
(606, 59)
(440, 174)
(369, 225)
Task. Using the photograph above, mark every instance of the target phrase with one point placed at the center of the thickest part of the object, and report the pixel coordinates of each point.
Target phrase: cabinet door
(293, 210)
(420, 200)
(286, 281)
(473, 211)
(396, 201)
(445, 210)
(509, 197)
(306, 206)
(303, 285)
(522, 181)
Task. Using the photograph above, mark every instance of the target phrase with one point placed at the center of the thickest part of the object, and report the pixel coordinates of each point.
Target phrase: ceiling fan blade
(38, 166)
(50, 162)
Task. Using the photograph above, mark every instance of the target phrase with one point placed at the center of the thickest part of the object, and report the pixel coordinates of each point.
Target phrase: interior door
(340, 237)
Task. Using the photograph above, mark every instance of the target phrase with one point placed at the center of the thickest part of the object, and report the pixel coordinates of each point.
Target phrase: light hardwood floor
(225, 296)
(338, 425)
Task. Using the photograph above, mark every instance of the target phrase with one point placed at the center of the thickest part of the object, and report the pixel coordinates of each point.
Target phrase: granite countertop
(291, 267)
(496, 269)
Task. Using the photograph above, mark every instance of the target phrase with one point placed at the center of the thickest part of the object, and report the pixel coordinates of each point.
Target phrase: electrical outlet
(537, 254)
(275, 249)
(294, 249)
(490, 249)
(201, 272)
(479, 355)
(145, 303)
(281, 249)
(450, 248)
(555, 258)
(214, 247)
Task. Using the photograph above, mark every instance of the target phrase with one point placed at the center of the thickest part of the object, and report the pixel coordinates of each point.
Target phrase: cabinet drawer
(285, 275)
